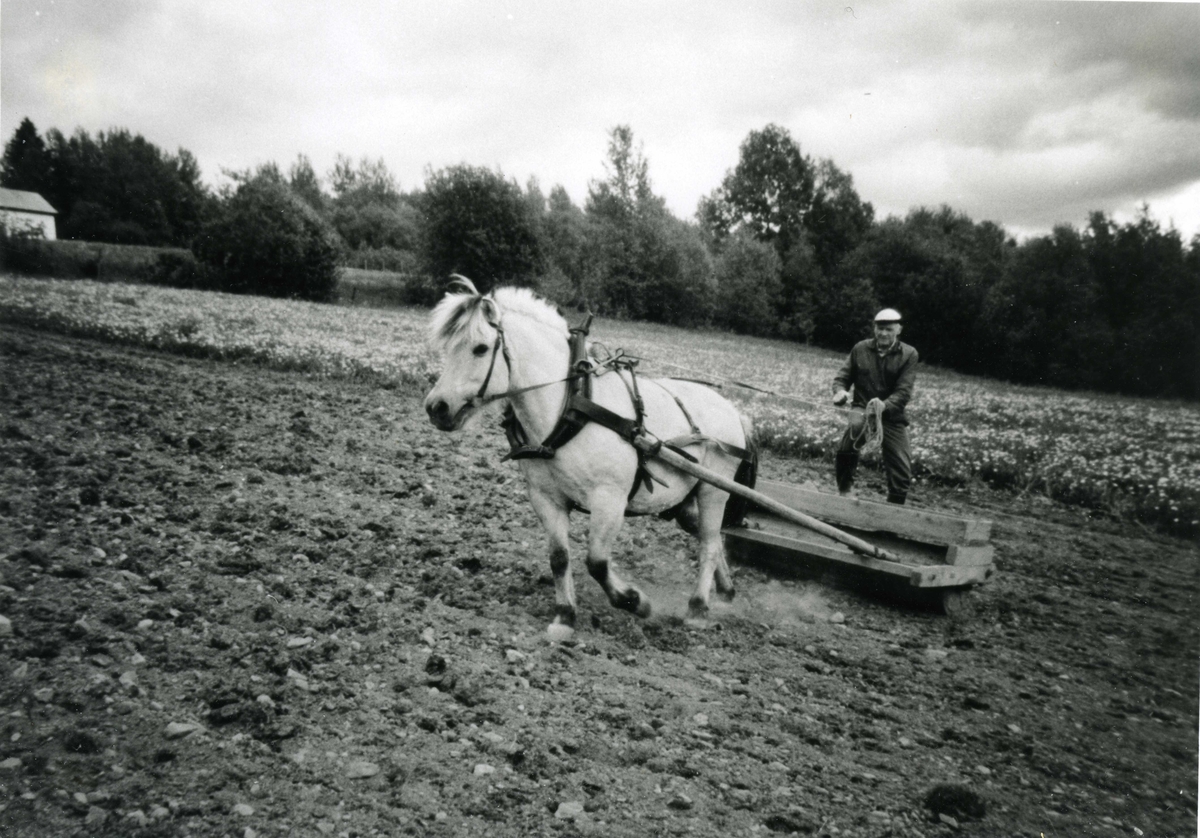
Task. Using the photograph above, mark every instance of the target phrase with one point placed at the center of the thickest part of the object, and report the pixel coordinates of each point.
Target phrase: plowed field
(252, 603)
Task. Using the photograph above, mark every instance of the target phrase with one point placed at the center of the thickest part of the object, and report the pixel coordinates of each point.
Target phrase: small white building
(21, 210)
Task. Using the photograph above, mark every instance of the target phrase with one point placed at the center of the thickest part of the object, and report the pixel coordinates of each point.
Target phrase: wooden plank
(962, 555)
(804, 544)
(949, 576)
(904, 550)
(920, 525)
(835, 553)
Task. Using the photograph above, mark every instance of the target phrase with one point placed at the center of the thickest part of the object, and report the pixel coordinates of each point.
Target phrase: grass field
(1132, 456)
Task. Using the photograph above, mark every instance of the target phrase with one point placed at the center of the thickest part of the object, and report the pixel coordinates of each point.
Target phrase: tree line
(783, 247)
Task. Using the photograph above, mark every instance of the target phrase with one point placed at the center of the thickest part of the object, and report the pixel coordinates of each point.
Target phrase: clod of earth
(769, 718)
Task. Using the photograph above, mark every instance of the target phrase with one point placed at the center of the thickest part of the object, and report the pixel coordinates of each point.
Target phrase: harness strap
(691, 422)
(643, 475)
(579, 409)
(679, 442)
(697, 437)
(628, 430)
(571, 421)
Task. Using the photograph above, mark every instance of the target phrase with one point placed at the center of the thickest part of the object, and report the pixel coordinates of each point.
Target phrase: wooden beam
(909, 552)
(829, 552)
(919, 525)
(928, 576)
(661, 452)
(949, 576)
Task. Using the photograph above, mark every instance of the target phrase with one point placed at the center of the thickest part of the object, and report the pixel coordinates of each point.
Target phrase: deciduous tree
(648, 264)
(478, 223)
(767, 194)
(265, 240)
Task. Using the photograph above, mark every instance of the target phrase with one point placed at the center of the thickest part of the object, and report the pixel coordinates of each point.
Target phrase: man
(880, 370)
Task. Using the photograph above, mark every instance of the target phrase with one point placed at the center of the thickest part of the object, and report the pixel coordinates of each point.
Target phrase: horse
(512, 346)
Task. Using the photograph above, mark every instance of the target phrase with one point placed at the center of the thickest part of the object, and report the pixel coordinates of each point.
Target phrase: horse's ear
(458, 281)
(490, 312)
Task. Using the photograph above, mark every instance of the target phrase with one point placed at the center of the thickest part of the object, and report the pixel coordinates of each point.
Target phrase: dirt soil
(248, 603)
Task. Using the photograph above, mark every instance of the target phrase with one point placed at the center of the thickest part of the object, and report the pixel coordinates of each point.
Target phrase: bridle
(500, 347)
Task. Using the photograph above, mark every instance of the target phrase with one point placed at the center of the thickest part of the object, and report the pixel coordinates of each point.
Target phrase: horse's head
(466, 327)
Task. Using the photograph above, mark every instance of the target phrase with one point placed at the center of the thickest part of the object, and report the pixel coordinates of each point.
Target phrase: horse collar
(570, 422)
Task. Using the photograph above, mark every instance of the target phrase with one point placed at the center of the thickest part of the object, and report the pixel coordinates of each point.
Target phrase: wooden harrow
(925, 556)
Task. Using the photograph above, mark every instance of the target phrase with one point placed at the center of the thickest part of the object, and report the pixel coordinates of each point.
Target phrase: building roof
(16, 199)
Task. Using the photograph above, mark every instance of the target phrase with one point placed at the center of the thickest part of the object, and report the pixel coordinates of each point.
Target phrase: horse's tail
(747, 474)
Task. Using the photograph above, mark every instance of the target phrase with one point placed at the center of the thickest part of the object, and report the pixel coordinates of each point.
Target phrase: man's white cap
(888, 315)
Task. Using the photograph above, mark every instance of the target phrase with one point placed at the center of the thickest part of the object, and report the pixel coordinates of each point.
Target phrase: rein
(746, 386)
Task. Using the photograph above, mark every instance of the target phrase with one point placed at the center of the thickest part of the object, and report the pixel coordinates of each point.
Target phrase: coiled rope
(870, 436)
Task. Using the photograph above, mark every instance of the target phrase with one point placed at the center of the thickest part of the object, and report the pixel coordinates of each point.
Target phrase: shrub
(478, 223)
(682, 290)
(179, 269)
(748, 286)
(23, 252)
(133, 263)
(267, 241)
(842, 307)
(423, 289)
(393, 225)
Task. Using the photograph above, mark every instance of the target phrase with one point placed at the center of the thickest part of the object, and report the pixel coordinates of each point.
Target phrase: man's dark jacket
(889, 377)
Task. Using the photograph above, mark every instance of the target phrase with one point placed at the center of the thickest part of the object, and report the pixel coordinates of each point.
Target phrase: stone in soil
(569, 810)
(178, 730)
(361, 769)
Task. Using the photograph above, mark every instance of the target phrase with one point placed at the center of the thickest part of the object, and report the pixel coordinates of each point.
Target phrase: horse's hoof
(644, 609)
(727, 596)
(697, 608)
(557, 632)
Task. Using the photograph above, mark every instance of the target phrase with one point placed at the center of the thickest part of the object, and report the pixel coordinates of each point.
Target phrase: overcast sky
(1026, 114)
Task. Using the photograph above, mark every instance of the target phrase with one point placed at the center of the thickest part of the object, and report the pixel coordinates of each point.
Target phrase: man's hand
(841, 397)
(873, 404)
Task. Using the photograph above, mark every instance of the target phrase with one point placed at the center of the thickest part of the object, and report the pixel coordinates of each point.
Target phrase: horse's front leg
(556, 521)
(608, 513)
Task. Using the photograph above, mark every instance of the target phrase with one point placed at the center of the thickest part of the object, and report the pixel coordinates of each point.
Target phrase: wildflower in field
(1096, 450)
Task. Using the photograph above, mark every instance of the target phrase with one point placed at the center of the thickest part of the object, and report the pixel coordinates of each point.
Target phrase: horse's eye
(480, 350)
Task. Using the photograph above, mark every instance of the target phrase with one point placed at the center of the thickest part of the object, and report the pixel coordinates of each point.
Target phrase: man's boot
(896, 499)
(846, 465)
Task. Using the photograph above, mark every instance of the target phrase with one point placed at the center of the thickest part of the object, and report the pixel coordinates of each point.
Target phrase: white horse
(511, 346)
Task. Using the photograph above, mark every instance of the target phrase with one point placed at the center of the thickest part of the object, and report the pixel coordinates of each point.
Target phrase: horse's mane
(462, 316)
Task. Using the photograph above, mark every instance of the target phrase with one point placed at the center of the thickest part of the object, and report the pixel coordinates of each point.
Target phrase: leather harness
(579, 409)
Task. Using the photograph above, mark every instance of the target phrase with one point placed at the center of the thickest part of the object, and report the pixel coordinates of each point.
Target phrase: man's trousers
(897, 458)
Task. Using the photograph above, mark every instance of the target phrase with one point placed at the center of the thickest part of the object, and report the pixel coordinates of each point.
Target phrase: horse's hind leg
(713, 565)
(608, 513)
(556, 521)
(724, 580)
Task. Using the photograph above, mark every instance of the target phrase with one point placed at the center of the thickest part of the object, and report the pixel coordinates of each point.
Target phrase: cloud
(1018, 112)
